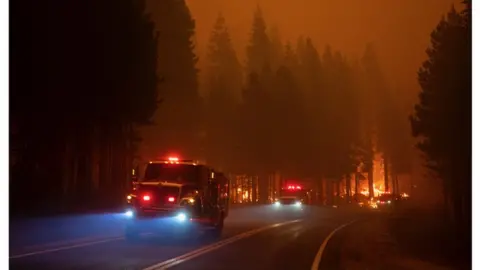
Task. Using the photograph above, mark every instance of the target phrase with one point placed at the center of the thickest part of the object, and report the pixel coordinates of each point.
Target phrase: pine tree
(224, 81)
(276, 48)
(400, 146)
(177, 131)
(350, 124)
(442, 118)
(373, 108)
(385, 119)
(310, 80)
(302, 47)
(342, 120)
(259, 48)
(288, 123)
(290, 59)
(310, 73)
(253, 124)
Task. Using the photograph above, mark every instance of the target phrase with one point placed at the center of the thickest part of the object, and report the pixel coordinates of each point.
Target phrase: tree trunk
(95, 160)
(329, 191)
(371, 190)
(357, 184)
(129, 157)
(253, 189)
(337, 191)
(348, 186)
(321, 191)
(394, 184)
(67, 167)
(120, 171)
(386, 172)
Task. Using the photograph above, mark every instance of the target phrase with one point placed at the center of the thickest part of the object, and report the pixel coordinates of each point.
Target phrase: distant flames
(378, 178)
(377, 191)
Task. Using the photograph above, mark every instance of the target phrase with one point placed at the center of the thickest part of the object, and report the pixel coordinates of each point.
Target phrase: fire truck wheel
(216, 232)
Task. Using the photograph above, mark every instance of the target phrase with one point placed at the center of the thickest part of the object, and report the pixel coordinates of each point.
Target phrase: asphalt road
(260, 237)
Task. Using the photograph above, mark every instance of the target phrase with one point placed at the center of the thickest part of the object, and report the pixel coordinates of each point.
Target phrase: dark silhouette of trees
(294, 104)
(255, 126)
(76, 97)
(224, 85)
(290, 59)
(312, 81)
(394, 140)
(384, 116)
(276, 51)
(349, 119)
(255, 111)
(180, 126)
(341, 122)
(442, 118)
(286, 110)
(331, 126)
(374, 91)
(259, 47)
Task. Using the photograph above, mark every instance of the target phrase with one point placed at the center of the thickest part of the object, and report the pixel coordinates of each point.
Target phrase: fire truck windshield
(170, 172)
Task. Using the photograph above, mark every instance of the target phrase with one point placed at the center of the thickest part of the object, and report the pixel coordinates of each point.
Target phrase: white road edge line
(318, 257)
(68, 242)
(65, 248)
(195, 253)
(90, 243)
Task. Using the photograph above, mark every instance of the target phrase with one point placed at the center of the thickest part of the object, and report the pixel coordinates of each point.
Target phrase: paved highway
(260, 237)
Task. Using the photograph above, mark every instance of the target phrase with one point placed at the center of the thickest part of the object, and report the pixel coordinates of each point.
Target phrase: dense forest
(443, 117)
(105, 78)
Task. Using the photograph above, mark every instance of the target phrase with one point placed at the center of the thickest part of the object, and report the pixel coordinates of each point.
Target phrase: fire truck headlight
(298, 204)
(129, 213)
(277, 203)
(181, 217)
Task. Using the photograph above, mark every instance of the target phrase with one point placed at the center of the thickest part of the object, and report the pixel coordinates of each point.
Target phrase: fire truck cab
(177, 196)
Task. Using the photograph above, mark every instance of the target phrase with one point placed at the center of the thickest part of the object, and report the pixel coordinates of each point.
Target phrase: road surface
(259, 237)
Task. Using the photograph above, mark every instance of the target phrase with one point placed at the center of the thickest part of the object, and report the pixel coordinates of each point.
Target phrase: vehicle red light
(173, 160)
(171, 199)
(146, 198)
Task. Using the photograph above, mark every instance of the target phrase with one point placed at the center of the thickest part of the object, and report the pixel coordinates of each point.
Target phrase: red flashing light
(171, 199)
(146, 198)
(294, 187)
(173, 160)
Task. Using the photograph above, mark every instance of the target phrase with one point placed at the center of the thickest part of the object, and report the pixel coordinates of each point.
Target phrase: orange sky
(399, 29)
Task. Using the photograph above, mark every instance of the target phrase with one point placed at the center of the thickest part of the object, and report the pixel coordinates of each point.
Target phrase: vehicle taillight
(146, 198)
(171, 199)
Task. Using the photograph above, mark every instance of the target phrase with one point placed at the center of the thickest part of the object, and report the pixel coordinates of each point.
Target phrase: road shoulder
(389, 241)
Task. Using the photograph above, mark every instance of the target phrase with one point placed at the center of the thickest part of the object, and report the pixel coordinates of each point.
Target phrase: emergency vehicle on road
(177, 196)
(293, 195)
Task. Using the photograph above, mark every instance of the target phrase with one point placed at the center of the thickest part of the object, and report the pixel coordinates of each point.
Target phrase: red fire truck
(294, 195)
(177, 195)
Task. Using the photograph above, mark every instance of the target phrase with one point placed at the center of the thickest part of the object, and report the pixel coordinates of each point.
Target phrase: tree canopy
(442, 118)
